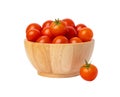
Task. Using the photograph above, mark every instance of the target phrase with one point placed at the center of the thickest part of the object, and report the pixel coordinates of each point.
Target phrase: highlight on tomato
(79, 27)
(46, 31)
(60, 39)
(75, 40)
(43, 39)
(33, 35)
(33, 26)
(68, 22)
(46, 23)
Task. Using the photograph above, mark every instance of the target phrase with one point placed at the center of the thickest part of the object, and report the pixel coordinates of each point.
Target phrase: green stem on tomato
(57, 21)
(87, 65)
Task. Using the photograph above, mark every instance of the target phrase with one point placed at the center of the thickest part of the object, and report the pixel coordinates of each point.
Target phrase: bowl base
(58, 75)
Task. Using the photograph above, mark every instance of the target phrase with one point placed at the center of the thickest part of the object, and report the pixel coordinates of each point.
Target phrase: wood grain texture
(58, 60)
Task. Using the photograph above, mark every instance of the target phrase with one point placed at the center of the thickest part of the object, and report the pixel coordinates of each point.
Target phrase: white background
(18, 78)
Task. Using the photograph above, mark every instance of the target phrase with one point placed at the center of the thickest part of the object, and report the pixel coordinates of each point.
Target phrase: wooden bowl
(58, 60)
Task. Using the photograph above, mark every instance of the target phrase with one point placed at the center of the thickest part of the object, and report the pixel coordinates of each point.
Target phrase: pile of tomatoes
(58, 31)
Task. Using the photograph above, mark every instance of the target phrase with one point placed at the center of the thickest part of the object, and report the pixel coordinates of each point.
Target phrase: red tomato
(33, 35)
(71, 32)
(46, 31)
(43, 39)
(75, 40)
(60, 39)
(33, 26)
(88, 72)
(46, 23)
(85, 34)
(80, 26)
(58, 27)
(69, 22)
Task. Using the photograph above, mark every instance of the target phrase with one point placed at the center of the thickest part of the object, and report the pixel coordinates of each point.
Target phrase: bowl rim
(91, 41)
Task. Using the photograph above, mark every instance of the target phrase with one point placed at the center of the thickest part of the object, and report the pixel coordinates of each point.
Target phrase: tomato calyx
(57, 21)
(87, 65)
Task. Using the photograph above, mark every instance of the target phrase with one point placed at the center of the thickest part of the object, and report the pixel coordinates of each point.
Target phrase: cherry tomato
(80, 26)
(60, 39)
(58, 27)
(69, 22)
(33, 26)
(43, 39)
(88, 71)
(33, 35)
(71, 32)
(46, 31)
(75, 40)
(85, 34)
(46, 23)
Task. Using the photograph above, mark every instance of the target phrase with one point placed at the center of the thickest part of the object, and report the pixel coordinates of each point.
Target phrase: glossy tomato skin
(70, 32)
(88, 73)
(60, 39)
(79, 27)
(46, 24)
(46, 31)
(75, 40)
(85, 34)
(69, 22)
(43, 39)
(58, 27)
(33, 35)
(33, 26)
